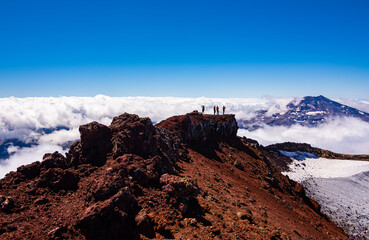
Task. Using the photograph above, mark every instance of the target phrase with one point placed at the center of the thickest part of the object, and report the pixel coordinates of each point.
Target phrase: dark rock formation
(30, 171)
(194, 128)
(6, 203)
(58, 179)
(94, 146)
(54, 160)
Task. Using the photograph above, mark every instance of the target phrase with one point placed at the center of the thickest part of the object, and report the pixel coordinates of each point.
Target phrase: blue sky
(184, 48)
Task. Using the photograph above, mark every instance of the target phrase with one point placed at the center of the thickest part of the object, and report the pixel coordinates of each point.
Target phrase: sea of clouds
(22, 118)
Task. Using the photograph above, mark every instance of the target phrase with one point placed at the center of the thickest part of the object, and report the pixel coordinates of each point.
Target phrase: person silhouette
(224, 109)
(202, 109)
(217, 110)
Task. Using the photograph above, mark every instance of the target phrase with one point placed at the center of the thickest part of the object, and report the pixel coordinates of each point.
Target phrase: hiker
(214, 110)
(224, 109)
(217, 110)
(202, 109)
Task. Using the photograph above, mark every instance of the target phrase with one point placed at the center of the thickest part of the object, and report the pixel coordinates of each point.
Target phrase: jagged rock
(107, 186)
(144, 223)
(132, 134)
(56, 232)
(109, 219)
(94, 146)
(183, 187)
(245, 215)
(30, 171)
(6, 203)
(155, 168)
(196, 128)
(54, 160)
(58, 179)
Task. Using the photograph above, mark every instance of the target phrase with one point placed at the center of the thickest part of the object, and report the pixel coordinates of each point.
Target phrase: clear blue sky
(184, 48)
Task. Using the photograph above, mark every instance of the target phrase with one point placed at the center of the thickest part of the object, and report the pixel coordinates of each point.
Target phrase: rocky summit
(187, 177)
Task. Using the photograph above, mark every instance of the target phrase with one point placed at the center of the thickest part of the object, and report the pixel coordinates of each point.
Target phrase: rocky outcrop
(194, 128)
(304, 147)
(94, 146)
(187, 177)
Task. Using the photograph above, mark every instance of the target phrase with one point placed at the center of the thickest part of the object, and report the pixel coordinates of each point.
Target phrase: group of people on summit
(215, 108)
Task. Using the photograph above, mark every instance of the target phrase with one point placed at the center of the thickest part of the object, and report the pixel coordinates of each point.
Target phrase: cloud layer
(22, 118)
(341, 135)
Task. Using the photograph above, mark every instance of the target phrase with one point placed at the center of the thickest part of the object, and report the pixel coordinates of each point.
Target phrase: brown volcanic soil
(187, 177)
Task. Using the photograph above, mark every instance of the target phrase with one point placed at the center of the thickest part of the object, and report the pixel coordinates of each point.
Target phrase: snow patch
(323, 168)
(315, 113)
(340, 187)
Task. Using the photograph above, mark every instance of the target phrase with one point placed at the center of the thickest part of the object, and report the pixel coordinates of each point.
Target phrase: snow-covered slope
(341, 187)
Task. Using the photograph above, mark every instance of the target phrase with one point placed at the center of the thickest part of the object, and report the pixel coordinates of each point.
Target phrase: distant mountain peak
(309, 111)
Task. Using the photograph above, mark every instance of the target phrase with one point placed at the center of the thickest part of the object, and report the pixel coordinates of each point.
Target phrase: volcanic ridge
(186, 177)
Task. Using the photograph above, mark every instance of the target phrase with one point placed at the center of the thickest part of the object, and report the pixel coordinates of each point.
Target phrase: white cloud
(60, 137)
(25, 156)
(362, 105)
(22, 117)
(33, 113)
(342, 135)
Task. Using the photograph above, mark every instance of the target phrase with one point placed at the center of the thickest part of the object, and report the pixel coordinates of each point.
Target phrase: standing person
(202, 109)
(214, 110)
(224, 109)
(217, 110)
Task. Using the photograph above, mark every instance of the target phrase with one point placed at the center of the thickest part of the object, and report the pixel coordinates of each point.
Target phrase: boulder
(30, 171)
(6, 203)
(94, 146)
(54, 160)
(58, 179)
(132, 134)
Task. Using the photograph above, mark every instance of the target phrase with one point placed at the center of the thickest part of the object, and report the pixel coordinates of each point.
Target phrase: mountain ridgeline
(186, 177)
(309, 112)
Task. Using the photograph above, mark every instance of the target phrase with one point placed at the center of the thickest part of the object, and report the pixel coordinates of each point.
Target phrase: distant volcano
(309, 112)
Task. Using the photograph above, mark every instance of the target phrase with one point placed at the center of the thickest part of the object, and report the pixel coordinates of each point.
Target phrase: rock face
(195, 128)
(187, 177)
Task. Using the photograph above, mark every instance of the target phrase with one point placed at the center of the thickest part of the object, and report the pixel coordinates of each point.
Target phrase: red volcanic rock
(30, 171)
(54, 160)
(94, 146)
(132, 134)
(187, 177)
(179, 187)
(6, 203)
(58, 179)
(197, 128)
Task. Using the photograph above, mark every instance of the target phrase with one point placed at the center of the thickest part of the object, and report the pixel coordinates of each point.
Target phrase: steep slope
(310, 112)
(338, 182)
(187, 177)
